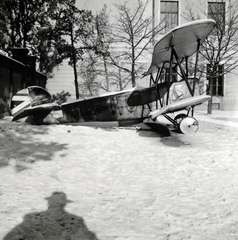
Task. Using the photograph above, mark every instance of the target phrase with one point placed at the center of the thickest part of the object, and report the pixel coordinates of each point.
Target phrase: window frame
(217, 12)
(169, 14)
(165, 75)
(218, 81)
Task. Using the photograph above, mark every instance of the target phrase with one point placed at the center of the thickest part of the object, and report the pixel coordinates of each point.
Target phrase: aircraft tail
(29, 97)
(38, 96)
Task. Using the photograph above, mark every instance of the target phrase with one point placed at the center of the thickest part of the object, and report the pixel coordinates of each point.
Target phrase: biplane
(164, 96)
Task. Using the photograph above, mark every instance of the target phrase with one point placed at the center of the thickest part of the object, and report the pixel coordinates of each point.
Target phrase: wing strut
(170, 73)
(157, 81)
(182, 71)
(196, 64)
(186, 62)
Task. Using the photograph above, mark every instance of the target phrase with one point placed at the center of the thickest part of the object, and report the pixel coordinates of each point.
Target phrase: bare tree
(133, 33)
(120, 47)
(90, 68)
(221, 46)
(95, 67)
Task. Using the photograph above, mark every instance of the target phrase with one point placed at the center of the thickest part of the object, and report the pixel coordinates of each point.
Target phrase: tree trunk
(133, 80)
(76, 80)
(120, 83)
(74, 65)
(106, 72)
(209, 106)
(213, 74)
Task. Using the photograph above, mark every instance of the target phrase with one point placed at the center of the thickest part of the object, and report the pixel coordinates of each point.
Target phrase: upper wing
(183, 39)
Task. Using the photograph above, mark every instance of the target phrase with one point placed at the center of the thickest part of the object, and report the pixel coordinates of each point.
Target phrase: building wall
(230, 99)
(62, 80)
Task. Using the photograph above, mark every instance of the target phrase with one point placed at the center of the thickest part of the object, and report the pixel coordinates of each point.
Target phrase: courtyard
(78, 182)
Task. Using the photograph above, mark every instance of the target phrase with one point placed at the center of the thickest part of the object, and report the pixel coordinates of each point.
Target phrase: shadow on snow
(54, 223)
(18, 143)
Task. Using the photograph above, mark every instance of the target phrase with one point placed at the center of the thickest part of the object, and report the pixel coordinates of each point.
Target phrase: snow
(123, 184)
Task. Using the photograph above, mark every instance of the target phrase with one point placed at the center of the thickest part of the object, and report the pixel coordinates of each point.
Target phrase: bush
(61, 97)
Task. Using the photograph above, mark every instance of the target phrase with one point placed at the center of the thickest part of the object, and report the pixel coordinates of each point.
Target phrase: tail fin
(38, 96)
(31, 96)
(20, 101)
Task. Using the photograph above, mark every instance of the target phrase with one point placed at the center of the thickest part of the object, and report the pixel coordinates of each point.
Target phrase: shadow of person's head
(57, 200)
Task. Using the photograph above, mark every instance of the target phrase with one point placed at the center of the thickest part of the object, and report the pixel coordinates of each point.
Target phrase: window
(169, 14)
(216, 11)
(218, 79)
(166, 73)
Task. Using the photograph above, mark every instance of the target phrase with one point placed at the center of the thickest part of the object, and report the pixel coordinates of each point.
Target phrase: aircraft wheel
(189, 125)
(180, 117)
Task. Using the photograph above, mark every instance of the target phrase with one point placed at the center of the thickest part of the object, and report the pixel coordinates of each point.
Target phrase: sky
(96, 6)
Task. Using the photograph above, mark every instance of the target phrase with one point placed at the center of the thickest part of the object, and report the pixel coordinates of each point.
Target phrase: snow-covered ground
(122, 184)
